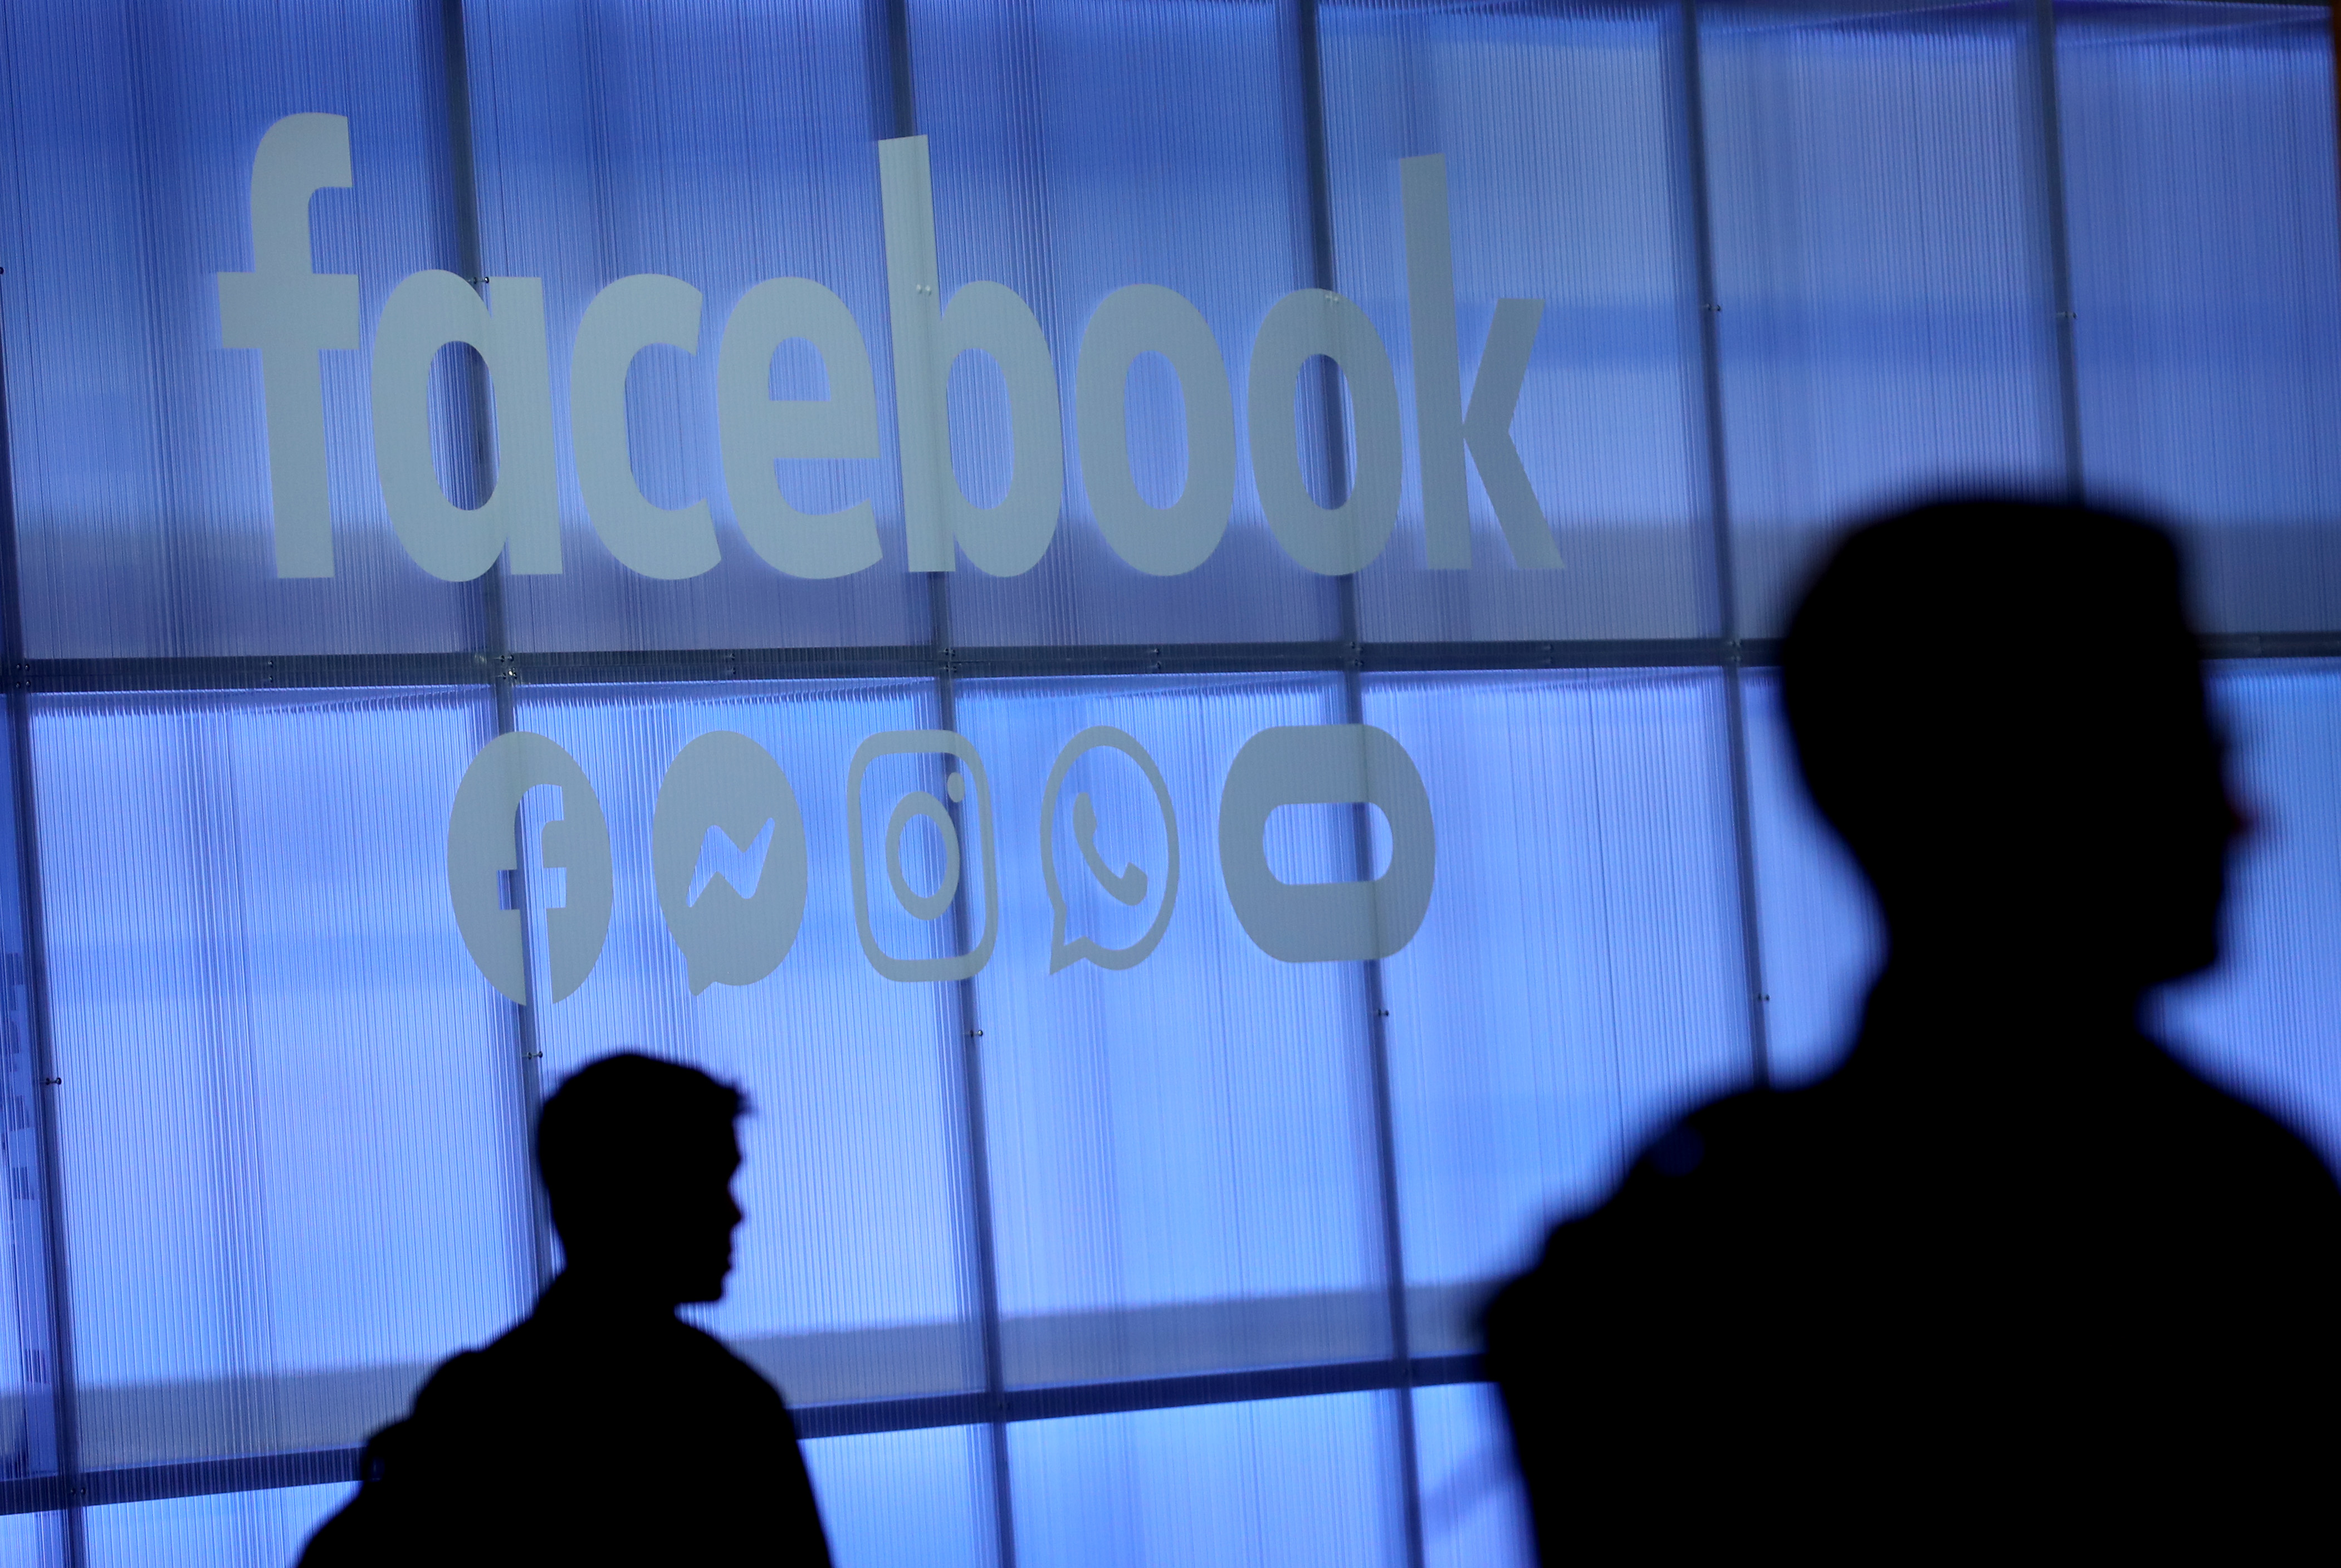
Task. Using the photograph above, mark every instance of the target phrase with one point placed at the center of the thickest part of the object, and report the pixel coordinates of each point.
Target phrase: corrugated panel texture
(1078, 147)
(909, 1497)
(232, 1530)
(849, 1276)
(30, 1374)
(1577, 979)
(1181, 1152)
(289, 1108)
(1474, 1514)
(1561, 129)
(1822, 936)
(1284, 1483)
(1881, 267)
(2207, 276)
(2266, 1019)
(138, 443)
(722, 145)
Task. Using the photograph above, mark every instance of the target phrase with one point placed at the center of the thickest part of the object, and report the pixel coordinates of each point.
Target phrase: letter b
(987, 317)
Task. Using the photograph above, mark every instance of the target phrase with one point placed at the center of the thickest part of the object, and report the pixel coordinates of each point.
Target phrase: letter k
(1443, 427)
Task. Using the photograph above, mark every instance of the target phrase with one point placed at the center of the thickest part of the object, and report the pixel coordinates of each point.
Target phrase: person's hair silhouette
(603, 1429)
(637, 1158)
(2012, 1276)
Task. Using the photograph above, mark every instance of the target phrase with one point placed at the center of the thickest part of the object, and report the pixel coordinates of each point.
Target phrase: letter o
(1146, 318)
(1333, 541)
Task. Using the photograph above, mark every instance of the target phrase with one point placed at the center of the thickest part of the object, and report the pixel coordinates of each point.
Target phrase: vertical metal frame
(2048, 147)
(1300, 53)
(535, 1233)
(29, 1079)
(1715, 456)
(894, 113)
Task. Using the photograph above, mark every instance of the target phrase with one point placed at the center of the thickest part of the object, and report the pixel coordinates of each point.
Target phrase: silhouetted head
(637, 1158)
(2000, 708)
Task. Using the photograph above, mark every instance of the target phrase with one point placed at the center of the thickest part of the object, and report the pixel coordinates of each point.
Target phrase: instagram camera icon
(969, 788)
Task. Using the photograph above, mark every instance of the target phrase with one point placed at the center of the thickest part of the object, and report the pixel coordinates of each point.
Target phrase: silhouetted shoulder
(1872, 1272)
(1726, 1163)
(609, 1437)
(2238, 1137)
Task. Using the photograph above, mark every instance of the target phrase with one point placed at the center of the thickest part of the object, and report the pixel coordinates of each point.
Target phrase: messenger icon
(1127, 886)
(1326, 765)
(725, 783)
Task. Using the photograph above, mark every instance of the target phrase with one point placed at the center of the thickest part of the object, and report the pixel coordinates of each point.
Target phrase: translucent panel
(28, 1368)
(289, 1102)
(138, 443)
(2263, 1020)
(1821, 935)
(1474, 1514)
(1289, 1482)
(232, 1530)
(615, 138)
(1080, 146)
(1560, 131)
(847, 1281)
(33, 1539)
(905, 1497)
(2207, 278)
(1181, 1151)
(1886, 313)
(1577, 977)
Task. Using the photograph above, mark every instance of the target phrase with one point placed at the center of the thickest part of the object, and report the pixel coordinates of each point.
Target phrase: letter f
(1444, 428)
(289, 313)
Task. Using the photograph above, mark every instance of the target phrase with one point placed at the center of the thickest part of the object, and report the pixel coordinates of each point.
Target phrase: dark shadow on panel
(2012, 1278)
(603, 1429)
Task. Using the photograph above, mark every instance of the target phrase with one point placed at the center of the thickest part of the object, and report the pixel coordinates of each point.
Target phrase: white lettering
(983, 317)
(1145, 319)
(1339, 540)
(425, 314)
(1487, 428)
(624, 319)
(758, 428)
(289, 313)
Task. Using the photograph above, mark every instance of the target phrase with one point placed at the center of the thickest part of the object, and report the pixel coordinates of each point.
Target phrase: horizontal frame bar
(322, 671)
(362, 671)
(327, 1466)
(204, 1477)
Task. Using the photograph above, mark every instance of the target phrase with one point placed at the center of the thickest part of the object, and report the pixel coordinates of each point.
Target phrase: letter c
(625, 318)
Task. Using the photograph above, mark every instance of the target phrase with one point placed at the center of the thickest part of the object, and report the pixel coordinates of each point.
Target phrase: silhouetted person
(2013, 1277)
(603, 1429)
